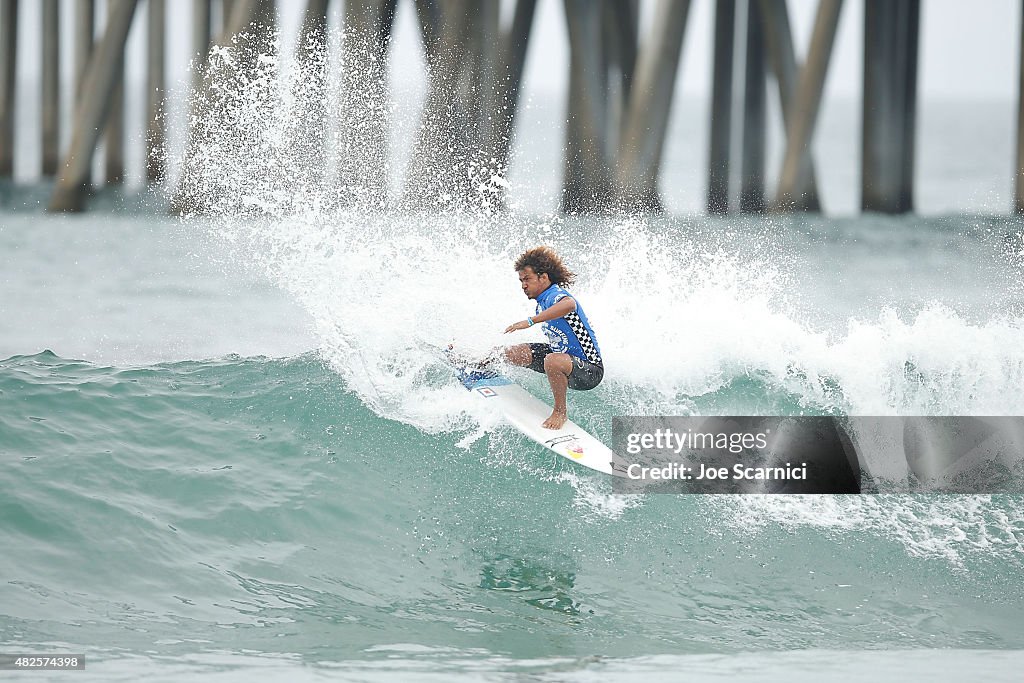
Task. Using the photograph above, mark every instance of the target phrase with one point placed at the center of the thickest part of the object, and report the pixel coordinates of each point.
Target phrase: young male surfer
(571, 358)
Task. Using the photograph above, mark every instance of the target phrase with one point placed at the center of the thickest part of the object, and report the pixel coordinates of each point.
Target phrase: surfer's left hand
(521, 325)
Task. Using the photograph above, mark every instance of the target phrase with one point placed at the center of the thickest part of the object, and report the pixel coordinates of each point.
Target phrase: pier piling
(85, 13)
(622, 19)
(362, 170)
(650, 102)
(779, 43)
(513, 58)
(94, 107)
(721, 108)
(156, 122)
(114, 134)
(487, 46)
(312, 63)
(83, 30)
(244, 13)
(752, 198)
(586, 181)
(50, 100)
(8, 78)
(226, 8)
(890, 102)
(620, 93)
(1018, 185)
(202, 28)
(807, 102)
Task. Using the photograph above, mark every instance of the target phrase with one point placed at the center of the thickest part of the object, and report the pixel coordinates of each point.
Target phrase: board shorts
(585, 375)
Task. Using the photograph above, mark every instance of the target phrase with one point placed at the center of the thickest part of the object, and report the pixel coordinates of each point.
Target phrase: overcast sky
(969, 50)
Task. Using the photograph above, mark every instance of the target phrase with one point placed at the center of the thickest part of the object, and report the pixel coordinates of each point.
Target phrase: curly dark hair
(545, 260)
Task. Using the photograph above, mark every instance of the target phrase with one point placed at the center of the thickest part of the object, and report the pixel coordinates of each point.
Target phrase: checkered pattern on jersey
(586, 341)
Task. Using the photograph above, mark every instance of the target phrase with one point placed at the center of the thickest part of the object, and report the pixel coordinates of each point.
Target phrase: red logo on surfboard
(574, 449)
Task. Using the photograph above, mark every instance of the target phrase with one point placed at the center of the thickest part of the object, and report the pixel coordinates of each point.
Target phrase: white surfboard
(526, 413)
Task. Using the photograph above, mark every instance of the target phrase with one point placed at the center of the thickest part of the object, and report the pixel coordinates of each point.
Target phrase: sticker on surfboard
(569, 443)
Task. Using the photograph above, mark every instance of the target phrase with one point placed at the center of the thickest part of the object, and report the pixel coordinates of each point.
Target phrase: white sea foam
(678, 316)
(948, 527)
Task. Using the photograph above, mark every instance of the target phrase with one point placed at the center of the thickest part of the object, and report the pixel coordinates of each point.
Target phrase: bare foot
(556, 421)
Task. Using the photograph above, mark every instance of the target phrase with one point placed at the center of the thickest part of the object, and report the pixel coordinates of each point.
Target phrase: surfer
(571, 358)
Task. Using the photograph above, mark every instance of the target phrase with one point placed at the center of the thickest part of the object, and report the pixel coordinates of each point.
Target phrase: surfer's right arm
(560, 309)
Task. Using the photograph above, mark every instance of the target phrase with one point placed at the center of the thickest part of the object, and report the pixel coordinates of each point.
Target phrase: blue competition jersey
(571, 334)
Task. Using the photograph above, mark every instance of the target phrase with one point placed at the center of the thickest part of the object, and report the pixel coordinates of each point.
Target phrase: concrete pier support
(311, 58)
(779, 42)
(621, 24)
(513, 58)
(202, 28)
(362, 160)
(647, 114)
(94, 107)
(266, 24)
(156, 122)
(85, 17)
(1018, 185)
(586, 182)
(226, 8)
(256, 33)
(721, 108)
(620, 19)
(470, 105)
(484, 92)
(752, 197)
(807, 102)
(244, 13)
(337, 142)
(8, 76)
(83, 30)
(311, 45)
(474, 84)
(50, 118)
(114, 134)
(313, 33)
(890, 104)
(428, 13)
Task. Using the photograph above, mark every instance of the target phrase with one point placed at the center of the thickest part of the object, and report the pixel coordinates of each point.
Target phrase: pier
(620, 84)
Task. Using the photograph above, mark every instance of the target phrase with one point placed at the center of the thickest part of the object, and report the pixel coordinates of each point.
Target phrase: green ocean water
(231, 465)
(159, 515)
